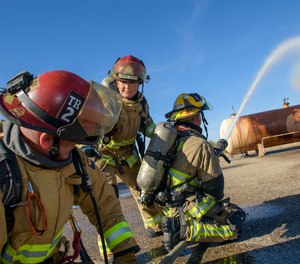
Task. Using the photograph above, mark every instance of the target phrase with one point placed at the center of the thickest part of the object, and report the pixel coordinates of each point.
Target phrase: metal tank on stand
(264, 129)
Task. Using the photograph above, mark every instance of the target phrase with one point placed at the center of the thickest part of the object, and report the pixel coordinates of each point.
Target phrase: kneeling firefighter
(188, 182)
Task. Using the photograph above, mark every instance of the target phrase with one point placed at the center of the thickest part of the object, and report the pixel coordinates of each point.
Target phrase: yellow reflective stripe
(132, 159)
(169, 211)
(108, 160)
(100, 245)
(117, 234)
(195, 182)
(29, 253)
(199, 230)
(178, 177)
(116, 145)
(150, 130)
(153, 221)
(180, 145)
(202, 207)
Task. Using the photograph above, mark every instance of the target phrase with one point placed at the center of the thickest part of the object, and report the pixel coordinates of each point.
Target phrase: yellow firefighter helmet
(187, 105)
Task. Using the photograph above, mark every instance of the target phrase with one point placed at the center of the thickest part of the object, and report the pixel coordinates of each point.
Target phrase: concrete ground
(267, 187)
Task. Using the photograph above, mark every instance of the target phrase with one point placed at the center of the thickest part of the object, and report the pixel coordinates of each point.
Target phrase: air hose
(87, 186)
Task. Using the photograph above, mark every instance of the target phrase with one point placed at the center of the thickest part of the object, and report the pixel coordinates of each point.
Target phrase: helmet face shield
(97, 117)
(205, 104)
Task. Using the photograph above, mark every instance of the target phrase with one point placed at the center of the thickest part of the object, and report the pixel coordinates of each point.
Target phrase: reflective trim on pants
(131, 160)
(153, 221)
(201, 208)
(199, 231)
(116, 145)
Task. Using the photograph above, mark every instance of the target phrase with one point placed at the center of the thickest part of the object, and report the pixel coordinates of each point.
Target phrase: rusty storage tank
(264, 129)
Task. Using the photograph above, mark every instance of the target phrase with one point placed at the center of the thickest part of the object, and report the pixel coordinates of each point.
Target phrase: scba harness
(159, 158)
(10, 183)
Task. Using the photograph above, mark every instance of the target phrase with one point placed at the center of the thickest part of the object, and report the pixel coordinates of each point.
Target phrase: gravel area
(266, 187)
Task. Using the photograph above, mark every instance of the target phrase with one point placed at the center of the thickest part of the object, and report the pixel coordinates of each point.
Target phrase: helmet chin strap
(54, 151)
(205, 123)
(142, 88)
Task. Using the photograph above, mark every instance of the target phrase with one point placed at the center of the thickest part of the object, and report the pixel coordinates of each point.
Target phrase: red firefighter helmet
(62, 104)
(130, 68)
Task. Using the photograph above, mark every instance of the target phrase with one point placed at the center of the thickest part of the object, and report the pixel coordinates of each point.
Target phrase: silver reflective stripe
(152, 221)
(6, 257)
(32, 254)
(29, 253)
(117, 233)
(177, 176)
(24, 254)
(202, 207)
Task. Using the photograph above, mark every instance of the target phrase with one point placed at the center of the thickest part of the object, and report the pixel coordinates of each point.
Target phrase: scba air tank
(157, 156)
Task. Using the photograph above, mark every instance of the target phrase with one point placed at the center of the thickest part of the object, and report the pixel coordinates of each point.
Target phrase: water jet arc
(283, 49)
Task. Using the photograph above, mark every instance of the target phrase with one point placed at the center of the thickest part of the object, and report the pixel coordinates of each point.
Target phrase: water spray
(287, 46)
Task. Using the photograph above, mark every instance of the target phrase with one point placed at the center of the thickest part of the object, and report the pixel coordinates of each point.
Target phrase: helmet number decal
(71, 108)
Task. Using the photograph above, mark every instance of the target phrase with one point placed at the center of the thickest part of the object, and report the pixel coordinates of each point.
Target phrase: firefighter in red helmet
(46, 116)
(119, 155)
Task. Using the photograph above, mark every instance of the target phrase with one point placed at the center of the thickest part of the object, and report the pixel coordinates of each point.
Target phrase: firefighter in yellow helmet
(193, 206)
(46, 116)
(187, 106)
(120, 156)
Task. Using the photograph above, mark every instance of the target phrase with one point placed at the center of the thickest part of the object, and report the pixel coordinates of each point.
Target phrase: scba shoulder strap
(141, 136)
(10, 183)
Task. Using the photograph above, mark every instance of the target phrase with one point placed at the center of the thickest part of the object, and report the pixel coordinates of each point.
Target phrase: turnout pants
(152, 214)
(201, 226)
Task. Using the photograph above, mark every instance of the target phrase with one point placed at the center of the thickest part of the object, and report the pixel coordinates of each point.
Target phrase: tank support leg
(261, 149)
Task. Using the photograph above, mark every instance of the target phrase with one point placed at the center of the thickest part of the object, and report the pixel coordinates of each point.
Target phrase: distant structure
(286, 102)
(264, 129)
(233, 114)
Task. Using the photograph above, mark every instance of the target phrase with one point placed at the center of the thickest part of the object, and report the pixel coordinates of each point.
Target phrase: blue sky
(212, 47)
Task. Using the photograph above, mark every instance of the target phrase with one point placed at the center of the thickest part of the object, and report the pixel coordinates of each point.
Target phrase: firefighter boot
(232, 215)
(171, 229)
(237, 217)
(151, 233)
